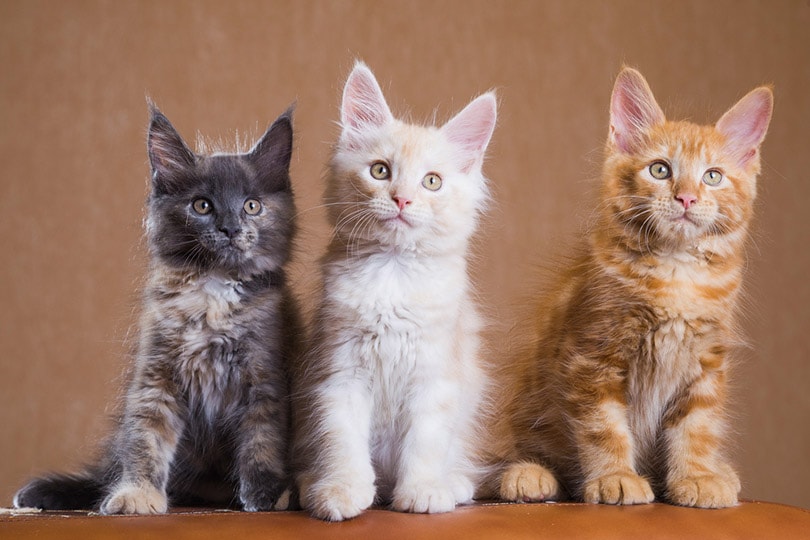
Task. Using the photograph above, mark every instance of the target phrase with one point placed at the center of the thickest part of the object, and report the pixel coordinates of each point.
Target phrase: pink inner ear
(746, 123)
(472, 128)
(633, 110)
(363, 101)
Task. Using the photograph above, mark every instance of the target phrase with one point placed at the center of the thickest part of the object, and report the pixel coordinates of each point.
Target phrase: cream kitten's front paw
(619, 488)
(528, 482)
(337, 499)
(713, 491)
(424, 499)
(135, 499)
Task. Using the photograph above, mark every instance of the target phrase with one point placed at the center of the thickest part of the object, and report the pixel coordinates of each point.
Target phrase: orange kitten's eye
(380, 171)
(202, 206)
(432, 181)
(252, 207)
(660, 170)
(712, 177)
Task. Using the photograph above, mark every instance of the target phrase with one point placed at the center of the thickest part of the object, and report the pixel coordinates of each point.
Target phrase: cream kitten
(389, 396)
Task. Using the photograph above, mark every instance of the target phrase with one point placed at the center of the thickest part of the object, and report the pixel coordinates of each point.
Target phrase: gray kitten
(206, 417)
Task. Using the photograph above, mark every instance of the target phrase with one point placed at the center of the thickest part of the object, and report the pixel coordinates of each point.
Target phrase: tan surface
(72, 128)
(658, 521)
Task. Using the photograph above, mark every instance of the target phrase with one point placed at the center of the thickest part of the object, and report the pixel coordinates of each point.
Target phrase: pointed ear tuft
(363, 102)
(746, 123)
(169, 156)
(471, 129)
(272, 154)
(633, 110)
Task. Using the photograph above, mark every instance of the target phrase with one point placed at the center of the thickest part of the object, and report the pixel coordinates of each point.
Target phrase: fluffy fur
(206, 415)
(389, 395)
(621, 397)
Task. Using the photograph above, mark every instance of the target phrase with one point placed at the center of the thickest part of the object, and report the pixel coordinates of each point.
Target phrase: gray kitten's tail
(62, 492)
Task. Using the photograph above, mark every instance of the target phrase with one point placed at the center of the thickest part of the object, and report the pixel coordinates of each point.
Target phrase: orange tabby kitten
(622, 396)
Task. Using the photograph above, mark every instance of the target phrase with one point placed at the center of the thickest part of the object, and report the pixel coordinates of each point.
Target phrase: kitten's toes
(528, 482)
(424, 499)
(135, 499)
(337, 499)
(620, 488)
(264, 493)
(716, 491)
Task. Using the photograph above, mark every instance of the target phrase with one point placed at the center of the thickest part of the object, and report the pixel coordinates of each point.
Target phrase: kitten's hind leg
(528, 482)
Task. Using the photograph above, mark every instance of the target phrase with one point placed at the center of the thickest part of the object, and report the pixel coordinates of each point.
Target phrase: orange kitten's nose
(686, 199)
(402, 202)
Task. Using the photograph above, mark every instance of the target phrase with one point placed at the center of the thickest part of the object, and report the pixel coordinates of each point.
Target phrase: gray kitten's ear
(169, 156)
(272, 154)
(633, 110)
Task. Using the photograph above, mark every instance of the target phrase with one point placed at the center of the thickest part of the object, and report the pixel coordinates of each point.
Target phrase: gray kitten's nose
(230, 230)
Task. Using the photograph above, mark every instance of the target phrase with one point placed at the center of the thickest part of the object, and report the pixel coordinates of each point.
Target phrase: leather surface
(513, 521)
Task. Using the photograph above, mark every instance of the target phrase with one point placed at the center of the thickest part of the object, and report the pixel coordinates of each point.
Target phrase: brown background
(72, 127)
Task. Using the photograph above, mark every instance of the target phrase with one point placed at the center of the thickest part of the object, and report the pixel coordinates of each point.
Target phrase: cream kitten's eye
(660, 170)
(252, 207)
(202, 206)
(712, 177)
(432, 181)
(380, 171)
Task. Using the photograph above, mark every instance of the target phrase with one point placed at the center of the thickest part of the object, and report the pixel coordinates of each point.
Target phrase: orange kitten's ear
(363, 103)
(745, 124)
(633, 110)
(471, 129)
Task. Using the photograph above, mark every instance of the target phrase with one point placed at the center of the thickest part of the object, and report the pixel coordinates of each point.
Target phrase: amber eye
(252, 207)
(712, 177)
(202, 206)
(380, 171)
(660, 170)
(432, 181)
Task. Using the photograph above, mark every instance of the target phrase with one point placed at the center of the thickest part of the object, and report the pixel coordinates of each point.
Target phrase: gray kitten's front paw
(129, 498)
(264, 492)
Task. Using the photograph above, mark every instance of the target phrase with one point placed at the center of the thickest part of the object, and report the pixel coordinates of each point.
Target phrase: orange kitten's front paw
(621, 488)
(717, 491)
(135, 499)
(528, 482)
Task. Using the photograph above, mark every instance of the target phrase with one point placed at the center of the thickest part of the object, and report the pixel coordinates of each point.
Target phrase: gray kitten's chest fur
(204, 323)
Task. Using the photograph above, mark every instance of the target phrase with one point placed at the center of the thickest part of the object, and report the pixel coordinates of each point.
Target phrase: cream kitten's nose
(401, 201)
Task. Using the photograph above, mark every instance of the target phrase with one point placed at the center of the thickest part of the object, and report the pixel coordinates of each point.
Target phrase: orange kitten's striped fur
(621, 398)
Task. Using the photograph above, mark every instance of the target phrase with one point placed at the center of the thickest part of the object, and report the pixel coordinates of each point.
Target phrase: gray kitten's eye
(432, 181)
(660, 170)
(202, 206)
(252, 207)
(712, 177)
(380, 170)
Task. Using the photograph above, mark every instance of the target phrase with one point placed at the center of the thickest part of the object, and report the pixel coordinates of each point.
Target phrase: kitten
(206, 416)
(623, 394)
(390, 392)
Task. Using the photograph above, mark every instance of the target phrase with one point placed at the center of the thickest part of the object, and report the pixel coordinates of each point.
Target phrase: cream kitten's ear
(472, 128)
(633, 110)
(745, 124)
(363, 102)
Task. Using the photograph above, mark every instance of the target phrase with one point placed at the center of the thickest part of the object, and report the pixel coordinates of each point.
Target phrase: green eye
(252, 207)
(380, 171)
(712, 177)
(660, 170)
(202, 206)
(432, 181)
